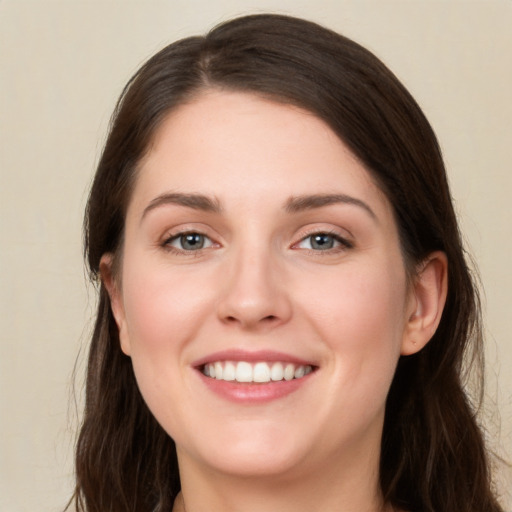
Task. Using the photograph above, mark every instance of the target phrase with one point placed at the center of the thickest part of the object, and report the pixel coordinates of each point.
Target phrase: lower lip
(254, 392)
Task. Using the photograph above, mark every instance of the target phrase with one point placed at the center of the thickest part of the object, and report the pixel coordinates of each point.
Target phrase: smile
(258, 372)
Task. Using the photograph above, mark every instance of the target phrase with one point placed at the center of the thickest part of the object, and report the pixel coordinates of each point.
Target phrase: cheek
(361, 318)
(160, 318)
(368, 299)
(161, 306)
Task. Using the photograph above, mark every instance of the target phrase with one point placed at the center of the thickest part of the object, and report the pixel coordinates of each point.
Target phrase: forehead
(240, 146)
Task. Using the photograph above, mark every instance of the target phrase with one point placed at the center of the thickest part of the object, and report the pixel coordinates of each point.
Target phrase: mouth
(246, 377)
(259, 372)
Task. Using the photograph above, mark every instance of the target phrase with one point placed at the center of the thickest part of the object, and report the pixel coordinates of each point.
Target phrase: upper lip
(251, 356)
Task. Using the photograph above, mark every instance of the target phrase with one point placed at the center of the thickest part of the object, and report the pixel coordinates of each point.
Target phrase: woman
(284, 302)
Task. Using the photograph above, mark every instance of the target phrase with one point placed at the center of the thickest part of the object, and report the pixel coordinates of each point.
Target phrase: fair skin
(253, 235)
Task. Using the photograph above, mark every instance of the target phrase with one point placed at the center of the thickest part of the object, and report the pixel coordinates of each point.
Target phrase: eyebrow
(309, 202)
(294, 204)
(194, 201)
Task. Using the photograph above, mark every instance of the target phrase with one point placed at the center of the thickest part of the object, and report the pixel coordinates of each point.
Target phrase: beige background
(62, 65)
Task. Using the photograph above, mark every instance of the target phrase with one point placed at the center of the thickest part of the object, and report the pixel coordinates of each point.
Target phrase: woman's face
(257, 247)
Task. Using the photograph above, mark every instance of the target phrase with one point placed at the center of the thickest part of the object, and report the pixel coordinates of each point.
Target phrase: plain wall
(62, 66)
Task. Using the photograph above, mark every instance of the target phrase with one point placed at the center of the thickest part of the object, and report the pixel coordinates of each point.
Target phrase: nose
(254, 295)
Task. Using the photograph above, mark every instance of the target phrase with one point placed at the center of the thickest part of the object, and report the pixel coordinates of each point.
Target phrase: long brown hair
(433, 456)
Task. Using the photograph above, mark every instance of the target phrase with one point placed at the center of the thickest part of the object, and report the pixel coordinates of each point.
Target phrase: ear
(116, 299)
(426, 302)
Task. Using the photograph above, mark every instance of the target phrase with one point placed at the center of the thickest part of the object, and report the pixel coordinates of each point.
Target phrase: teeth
(229, 371)
(277, 372)
(218, 370)
(260, 372)
(299, 372)
(289, 371)
(243, 372)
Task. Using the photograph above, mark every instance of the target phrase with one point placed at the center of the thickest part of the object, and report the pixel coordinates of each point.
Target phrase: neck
(351, 488)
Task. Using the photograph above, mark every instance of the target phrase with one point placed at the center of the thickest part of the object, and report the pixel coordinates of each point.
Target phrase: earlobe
(428, 297)
(116, 301)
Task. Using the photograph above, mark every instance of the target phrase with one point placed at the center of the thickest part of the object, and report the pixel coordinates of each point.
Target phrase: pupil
(192, 241)
(322, 241)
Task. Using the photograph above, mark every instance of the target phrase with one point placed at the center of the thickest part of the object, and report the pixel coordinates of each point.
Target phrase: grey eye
(190, 242)
(322, 241)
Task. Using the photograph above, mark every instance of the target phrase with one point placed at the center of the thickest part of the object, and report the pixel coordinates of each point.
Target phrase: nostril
(265, 319)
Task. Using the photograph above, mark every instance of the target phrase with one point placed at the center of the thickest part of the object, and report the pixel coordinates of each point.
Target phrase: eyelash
(166, 244)
(344, 244)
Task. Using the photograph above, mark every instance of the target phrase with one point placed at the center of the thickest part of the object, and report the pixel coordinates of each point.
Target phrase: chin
(271, 464)
(261, 453)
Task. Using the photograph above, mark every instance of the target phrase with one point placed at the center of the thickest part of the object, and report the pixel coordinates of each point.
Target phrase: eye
(188, 242)
(323, 242)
